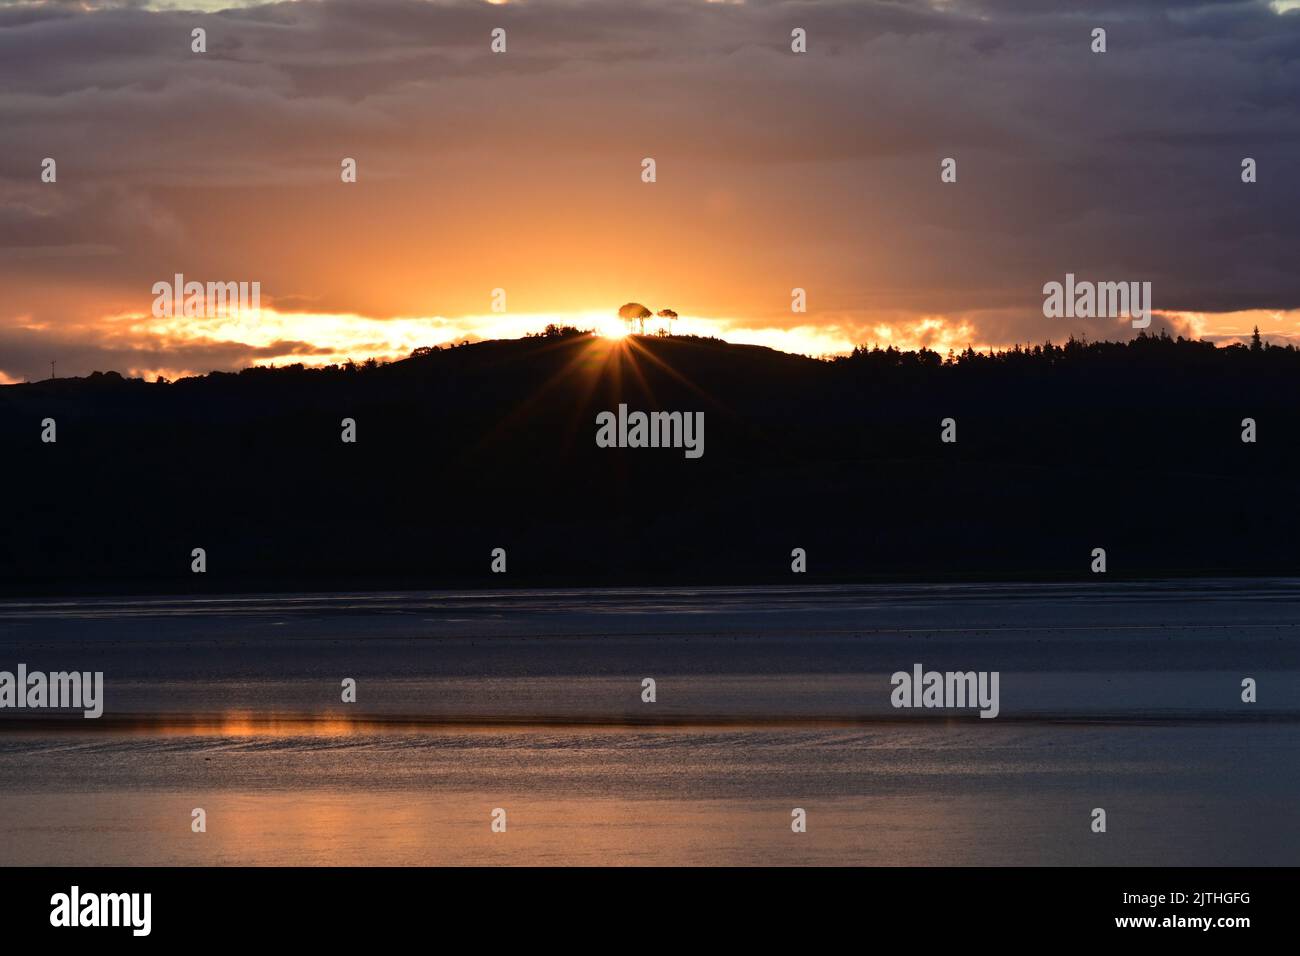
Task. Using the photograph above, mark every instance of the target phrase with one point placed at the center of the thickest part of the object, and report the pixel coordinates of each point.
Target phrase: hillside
(1135, 448)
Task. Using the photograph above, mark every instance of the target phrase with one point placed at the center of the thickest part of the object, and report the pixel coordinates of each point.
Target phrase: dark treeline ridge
(1134, 447)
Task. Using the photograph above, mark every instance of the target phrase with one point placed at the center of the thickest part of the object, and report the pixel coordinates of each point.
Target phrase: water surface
(1125, 697)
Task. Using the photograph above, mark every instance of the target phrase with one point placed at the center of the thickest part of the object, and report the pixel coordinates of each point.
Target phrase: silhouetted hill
(1135, 448)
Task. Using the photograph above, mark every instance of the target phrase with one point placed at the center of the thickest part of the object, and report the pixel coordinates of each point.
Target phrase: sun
(611, 328)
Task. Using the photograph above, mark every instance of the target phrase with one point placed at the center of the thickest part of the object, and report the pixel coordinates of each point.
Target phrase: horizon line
(553, 332)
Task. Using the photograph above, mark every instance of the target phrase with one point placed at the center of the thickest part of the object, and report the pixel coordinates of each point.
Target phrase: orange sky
(522, 171)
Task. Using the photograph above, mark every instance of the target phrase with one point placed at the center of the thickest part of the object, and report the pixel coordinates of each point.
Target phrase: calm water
(1123, 697)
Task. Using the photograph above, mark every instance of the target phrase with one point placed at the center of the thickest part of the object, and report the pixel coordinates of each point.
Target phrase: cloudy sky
(522, 171)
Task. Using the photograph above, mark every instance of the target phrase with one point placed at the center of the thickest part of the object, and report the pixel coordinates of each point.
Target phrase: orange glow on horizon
(272, 337)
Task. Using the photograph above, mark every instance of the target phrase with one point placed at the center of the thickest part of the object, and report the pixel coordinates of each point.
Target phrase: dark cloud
(775, 170)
